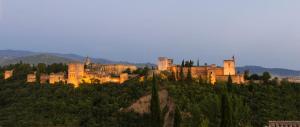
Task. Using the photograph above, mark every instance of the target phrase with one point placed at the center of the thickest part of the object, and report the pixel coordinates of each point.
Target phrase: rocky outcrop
(142, 106)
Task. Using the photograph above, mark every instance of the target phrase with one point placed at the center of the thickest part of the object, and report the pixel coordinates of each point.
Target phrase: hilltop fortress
(97, 73)
(209, 73)
(86, 72)
(92, 73)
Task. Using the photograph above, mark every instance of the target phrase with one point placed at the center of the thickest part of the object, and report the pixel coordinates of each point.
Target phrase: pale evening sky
(257, 32)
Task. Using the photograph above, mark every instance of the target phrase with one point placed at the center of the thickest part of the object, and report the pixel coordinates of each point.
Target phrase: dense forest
(199, 104)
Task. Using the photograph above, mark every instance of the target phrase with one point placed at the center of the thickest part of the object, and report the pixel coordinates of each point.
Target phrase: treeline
(20, 70)
(60, 105)
(226, 105)
(199, 104)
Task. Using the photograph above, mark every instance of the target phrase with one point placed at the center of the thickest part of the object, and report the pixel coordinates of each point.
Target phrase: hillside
(273, 71)
(35, 59)
(14, 56)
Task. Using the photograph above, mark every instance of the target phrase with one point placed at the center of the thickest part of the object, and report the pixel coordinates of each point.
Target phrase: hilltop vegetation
(198, 104)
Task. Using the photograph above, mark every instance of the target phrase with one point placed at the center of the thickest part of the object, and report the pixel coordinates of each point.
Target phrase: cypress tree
(155, 106)
(229, 84)
(181, 71)
(226, 112)
(177, 118)
(189, 75)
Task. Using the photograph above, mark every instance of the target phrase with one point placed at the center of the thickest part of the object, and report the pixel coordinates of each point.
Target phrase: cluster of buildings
(209, 73)
(86, 72)
(89, 72)
(98, 73)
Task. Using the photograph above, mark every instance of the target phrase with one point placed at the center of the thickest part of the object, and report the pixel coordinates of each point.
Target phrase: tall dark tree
(177, 117)
(41, 67)
(156, 118)
(189, 74)
(229, 84)
(181, 71)
(226, 112)
(191, 64)
(198, 63)
(182, 63)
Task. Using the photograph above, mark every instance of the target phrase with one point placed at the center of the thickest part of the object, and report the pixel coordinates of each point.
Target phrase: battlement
(164, 63)
(211, 73)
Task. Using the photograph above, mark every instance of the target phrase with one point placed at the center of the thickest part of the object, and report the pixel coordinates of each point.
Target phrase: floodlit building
(164, 63)
(8, 74)
(89, 72)
(210, 73)
(31, 78)
(57, 78)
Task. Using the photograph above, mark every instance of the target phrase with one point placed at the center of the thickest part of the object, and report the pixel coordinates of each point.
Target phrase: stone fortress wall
(209, 73)
(87, 72)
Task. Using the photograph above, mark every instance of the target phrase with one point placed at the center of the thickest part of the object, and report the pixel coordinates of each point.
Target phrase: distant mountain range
(281, 72)
(14, 56)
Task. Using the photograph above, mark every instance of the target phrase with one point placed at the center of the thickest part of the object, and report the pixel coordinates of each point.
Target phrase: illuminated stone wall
(97, 73)
(8, 74)
(109, 69)
(211, 73)
(31, 78)
(164, 63)
(75, 73)
(229, 67)
(56, 78)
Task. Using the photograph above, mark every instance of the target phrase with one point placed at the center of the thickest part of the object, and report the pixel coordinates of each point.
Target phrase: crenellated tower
(229, 67)
(75, 73)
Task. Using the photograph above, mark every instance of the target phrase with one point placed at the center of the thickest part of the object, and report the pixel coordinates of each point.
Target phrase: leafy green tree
(246, 74)
(156, 117)
(204, 123)
(266, 77)
(254, 77)
(41, 67)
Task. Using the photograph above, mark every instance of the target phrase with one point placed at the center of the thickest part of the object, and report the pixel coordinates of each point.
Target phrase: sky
(257, 32)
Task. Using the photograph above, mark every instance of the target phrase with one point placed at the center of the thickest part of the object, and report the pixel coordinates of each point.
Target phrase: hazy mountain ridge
(14, 56)
(273, 71)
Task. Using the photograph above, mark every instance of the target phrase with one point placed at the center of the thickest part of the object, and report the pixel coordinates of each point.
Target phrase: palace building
(210, 73)
(89, 72)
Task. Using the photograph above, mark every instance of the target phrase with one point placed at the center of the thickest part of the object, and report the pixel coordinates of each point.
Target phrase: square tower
(75, 73)
(164, 63)
(229, 67)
